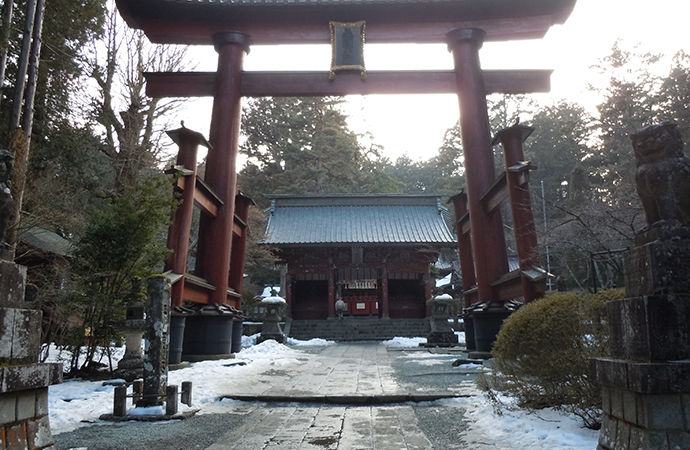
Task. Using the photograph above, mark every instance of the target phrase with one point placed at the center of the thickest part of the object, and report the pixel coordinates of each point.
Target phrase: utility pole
(546, 235)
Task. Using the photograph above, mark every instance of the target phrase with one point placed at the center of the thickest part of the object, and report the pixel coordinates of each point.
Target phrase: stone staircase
(359, 329)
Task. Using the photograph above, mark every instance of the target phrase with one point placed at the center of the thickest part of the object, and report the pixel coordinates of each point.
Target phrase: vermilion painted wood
(490, 256)
(215, 235)
(178, 234)
(162, 32)
(521, 207)
(317, 84)
(194, 22)
(464, 245)
(239, 245)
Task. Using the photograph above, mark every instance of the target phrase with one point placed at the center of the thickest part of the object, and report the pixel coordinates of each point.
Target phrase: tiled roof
(47, 241)
(368, 219)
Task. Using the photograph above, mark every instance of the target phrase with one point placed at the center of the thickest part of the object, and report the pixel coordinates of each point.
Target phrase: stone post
(24, 388)
(157, 340)
(646, 382)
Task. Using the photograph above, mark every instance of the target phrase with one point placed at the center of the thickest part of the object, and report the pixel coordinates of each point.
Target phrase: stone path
(343, 373)
(317, 401)
(294, 426)
(348, 396)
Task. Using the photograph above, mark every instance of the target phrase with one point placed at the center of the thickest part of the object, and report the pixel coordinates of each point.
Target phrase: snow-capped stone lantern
(441, 332)
(271, 323)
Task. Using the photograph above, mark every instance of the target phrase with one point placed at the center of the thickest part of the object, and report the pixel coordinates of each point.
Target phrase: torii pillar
(488, 242)
(215, 235)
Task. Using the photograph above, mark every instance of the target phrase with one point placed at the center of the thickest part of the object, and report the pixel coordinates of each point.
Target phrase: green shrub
(541, 355)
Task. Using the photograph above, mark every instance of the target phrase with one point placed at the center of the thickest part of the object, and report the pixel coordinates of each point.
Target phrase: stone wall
(23, 382)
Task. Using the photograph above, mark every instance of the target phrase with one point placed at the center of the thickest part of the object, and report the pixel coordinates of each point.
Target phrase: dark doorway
(406, 299)
(310, 300)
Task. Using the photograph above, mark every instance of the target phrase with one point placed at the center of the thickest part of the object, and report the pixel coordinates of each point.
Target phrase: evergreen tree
(674, 96)
(304, 146)
(557, 147)
(119, 245)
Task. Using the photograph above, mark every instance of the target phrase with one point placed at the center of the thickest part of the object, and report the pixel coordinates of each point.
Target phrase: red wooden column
(464, 246)
(428, 289)
(215, 235)
(239, 245)
(490, 257)
(178, 234)
(288, 293)
(331, 290)
(385, 301)
(517, 171)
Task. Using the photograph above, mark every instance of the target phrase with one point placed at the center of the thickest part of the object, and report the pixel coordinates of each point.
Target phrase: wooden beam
(196, 289)
(306, 84)
(463, 223)
(496, 194)
(206, 199)
(509, 286)
(299, 31)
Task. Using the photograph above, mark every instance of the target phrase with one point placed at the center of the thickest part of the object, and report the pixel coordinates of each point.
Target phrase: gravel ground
(197, 432)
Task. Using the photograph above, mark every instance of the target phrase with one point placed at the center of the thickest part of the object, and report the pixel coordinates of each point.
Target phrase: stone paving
(348, 396)
(345, 396)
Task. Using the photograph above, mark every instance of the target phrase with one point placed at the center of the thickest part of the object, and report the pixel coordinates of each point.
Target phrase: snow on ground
(402, 342)
(57, 355)
(77, 403)
(517, 428)
(315, 342)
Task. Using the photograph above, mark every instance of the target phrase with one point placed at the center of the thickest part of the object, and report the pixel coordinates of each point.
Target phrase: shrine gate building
(373, 251)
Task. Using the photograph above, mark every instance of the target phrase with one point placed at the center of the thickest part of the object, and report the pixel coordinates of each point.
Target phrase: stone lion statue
(663, 174)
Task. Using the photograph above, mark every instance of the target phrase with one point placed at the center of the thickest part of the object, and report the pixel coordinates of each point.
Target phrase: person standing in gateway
(340, 307)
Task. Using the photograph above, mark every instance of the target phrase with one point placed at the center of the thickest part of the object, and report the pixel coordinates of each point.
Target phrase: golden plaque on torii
(347, 45)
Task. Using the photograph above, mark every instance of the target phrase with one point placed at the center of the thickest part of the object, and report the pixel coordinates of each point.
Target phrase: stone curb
(345, 399)
(148, 418)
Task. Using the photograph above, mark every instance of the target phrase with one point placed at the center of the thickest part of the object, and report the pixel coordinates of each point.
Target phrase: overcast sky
(415, 124)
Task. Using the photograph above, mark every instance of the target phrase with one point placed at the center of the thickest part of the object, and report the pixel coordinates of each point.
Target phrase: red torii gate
(231, 26)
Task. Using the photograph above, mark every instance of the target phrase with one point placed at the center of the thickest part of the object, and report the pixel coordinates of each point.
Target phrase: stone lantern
(131, 366)
(274, 306)
(441, 332)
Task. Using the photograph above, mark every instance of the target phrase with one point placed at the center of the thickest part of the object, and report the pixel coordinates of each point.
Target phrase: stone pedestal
(646, 382)
(24, 388)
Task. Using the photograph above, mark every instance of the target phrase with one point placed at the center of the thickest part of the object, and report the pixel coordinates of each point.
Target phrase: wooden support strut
(517, 176)
(513, 184)
(178, 234)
